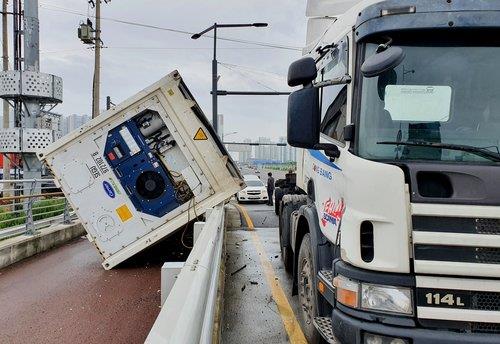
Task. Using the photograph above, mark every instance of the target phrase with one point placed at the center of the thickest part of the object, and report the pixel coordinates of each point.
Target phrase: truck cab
(396, 238)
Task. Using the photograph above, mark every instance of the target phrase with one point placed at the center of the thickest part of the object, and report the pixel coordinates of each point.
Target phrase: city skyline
(270, 153)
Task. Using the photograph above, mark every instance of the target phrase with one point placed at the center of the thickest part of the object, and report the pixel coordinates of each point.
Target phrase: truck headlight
(373, 297)
(386, 298)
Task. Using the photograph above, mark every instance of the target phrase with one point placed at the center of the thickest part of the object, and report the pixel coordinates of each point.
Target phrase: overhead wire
(147, 48)
(56, 8)
(254, 70)
(246, 76)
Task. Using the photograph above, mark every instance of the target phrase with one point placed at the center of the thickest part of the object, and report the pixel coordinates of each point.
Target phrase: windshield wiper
(482, 152)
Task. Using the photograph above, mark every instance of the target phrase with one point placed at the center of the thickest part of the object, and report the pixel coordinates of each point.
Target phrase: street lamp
(214, 61)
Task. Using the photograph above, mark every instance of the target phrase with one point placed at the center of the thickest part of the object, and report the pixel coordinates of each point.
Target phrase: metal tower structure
(28, 91)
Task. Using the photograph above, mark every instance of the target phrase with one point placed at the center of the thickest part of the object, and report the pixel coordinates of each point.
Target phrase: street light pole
(215, 77)
(228, 134)
(215, 116)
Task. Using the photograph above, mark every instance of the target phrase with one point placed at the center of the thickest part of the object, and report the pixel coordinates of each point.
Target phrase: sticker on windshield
(418, 103)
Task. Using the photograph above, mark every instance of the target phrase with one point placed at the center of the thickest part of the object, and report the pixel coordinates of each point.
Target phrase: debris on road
(235, 272)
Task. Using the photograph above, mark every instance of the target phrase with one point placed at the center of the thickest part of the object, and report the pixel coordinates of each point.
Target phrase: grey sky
(127, 69)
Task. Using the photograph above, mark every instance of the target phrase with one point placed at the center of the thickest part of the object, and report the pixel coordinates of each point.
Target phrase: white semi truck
(396, 236)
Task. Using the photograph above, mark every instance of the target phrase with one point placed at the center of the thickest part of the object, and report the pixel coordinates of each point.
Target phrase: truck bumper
(349, 330)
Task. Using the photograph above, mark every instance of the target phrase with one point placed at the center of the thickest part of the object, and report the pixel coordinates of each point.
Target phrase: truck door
(327, 176)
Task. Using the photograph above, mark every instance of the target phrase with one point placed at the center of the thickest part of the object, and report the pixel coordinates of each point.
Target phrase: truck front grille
(485, 328)
(466, 249)
(463, 254)
(457, 246)
(488, 226)
(461, 326)
(465, 225)
(485, 301)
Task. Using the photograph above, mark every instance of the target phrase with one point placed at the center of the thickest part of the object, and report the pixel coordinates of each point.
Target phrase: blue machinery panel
(140, 172)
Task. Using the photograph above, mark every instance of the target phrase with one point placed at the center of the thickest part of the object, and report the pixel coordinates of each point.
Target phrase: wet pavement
(258, 306)
(65, 296)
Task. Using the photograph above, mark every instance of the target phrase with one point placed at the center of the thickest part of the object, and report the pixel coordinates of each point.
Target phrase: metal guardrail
(188, 314)
(27, 205)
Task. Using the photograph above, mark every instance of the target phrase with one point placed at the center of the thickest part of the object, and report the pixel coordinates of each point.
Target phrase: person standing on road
(270, 188)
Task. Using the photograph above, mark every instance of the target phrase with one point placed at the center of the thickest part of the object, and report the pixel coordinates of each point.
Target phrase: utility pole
(32, 167)
(5, 59)
(97, 61)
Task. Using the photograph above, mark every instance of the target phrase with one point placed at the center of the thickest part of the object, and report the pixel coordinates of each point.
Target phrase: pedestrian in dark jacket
(270, 188)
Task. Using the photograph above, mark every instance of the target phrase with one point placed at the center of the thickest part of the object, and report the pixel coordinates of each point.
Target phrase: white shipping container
(143, 169)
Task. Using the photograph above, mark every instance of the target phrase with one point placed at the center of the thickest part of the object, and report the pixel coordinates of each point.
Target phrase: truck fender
(307, 221)
(290, 203)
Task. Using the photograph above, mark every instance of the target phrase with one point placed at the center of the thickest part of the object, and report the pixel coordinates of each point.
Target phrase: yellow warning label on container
(200, 135)
(124, 213)
(170, 92)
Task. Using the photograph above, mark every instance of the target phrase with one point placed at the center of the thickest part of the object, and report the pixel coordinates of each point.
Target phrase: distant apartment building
(245, 156)
(263, 152)
(275, 153)
(73, 122)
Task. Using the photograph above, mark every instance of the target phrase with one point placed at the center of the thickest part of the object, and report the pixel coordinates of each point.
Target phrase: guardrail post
(30, 223)
(66, 215)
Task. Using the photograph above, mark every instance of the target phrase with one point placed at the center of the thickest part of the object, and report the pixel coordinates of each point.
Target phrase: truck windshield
(441, 103)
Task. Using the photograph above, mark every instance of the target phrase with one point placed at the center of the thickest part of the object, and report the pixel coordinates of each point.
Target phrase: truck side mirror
(302, 72)
(382, 61)
(303, 123)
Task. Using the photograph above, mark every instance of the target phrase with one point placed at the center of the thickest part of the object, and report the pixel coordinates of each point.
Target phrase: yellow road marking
(292, 327)
(248, 220)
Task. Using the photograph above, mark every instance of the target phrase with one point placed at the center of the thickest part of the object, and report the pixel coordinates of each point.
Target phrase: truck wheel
(278, 195)
(307, 290)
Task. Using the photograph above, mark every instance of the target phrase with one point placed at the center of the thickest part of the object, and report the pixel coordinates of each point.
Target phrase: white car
(255, 190)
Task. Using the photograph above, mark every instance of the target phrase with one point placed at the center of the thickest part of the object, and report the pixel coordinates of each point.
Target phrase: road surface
(65, 296)
(257, 294)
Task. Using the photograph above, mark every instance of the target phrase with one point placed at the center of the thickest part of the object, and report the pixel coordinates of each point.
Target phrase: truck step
(325, 285)
(324, 327)
(326, 276)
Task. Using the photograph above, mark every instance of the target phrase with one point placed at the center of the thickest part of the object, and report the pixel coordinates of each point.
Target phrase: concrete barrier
(18, 248)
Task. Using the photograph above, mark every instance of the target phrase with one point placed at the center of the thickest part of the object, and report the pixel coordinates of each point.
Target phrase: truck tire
(278, 195)
(308, 302)
(289, 204)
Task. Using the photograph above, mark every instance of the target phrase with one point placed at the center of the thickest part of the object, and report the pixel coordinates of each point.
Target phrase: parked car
(255, 190)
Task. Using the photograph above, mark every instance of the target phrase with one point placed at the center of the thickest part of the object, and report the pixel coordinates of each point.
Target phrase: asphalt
(251, 314)
(65, 296)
